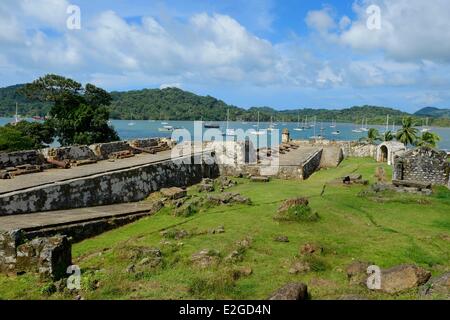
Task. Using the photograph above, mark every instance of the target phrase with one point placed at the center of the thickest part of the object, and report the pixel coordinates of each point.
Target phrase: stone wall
(49, 257)
(128, 185)
(103, 150)
(311, 165)
(349, 148)
(13, 159)
(70, 153)
(332, 156)
(423, 165)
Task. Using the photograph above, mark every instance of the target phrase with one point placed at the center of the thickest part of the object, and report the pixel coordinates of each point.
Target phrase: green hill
(433, 112)
(176, 104)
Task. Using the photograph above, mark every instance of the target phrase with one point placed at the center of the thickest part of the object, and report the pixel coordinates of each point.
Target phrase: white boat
(315, 137)
(298, 124)
(229, 132)
(333, 124)
(365, 127)
(336, 133)
(258, 132)
(271, 127)
(166, 129)
(426, 128)
(356, 130)
(16, 117)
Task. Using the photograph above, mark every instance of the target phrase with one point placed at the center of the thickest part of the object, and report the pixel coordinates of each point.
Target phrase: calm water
(148, 128)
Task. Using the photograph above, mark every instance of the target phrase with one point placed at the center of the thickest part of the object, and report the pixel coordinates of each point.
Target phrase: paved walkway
(59, 175)
(64, 217)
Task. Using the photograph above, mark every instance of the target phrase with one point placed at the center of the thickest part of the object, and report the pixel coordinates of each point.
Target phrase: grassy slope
(394, 230)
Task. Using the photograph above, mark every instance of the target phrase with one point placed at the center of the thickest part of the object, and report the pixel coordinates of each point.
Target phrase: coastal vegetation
(386, 229)
(78, 114)
(26, 136)
(177, 104)
(406, 134)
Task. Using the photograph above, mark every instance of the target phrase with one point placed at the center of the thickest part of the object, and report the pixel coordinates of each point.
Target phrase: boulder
(291, 291)
(437, 286)
(227, 198)
(357, 272)
(144, 256)
(281, 239)
(260, 179)
(207, 185)
(219, 229)
(310, 248)
(402, 278)
(173, 193)
(300, 267)
(50, 257)
(287, 204)
(206, 258)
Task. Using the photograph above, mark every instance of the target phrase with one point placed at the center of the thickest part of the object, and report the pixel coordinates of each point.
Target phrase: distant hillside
(176, 104)
(433, 112)
(9, 97)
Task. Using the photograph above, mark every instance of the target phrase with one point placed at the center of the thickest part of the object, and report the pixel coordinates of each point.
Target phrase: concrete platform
(53, 176)
(297, 157)
(53, 219)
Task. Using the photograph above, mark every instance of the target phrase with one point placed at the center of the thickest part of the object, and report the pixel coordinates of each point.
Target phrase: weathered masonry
(422, 165)
(117, 186)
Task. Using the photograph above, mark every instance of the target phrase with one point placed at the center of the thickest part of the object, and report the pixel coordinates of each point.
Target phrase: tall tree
(79, 115)
(428, 139)
(373, 135)
(407, 134)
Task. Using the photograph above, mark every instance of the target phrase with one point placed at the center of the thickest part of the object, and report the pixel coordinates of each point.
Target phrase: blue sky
(285, 54)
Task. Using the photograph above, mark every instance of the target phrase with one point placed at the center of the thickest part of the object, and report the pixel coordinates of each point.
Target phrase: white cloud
(411, 30)
(320, 20)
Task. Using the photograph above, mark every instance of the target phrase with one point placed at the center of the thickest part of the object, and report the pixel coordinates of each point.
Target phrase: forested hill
(176, 104)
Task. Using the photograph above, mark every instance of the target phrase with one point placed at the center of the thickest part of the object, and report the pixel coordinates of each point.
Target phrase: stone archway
(384, 154)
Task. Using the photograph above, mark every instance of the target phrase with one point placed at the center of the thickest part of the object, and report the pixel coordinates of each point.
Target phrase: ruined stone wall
(349, 148)
(312, 164)
(128, 185)
(423, 165)
(103, 150)
(332, 156)
(70, 153)
(13, 159)
(49, 257)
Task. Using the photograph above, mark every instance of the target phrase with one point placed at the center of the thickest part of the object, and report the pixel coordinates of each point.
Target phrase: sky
(284, 54)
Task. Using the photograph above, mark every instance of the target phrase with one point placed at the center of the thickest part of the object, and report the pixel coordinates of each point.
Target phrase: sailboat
(365, 127)
(298, 124)
(356, 130)
(229, 132)
(271, 126)
(307, 125)
(16, 117)
(333, 124)
(258, 132)
(314, 126)
(426, 128)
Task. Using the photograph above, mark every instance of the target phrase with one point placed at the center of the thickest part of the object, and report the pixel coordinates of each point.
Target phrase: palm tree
(387, 136)
(407, 134)
(373, 135)
(428, 139)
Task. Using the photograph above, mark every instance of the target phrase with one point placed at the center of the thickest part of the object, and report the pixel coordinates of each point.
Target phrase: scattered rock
(259, 179)
(131, 269)
(291, 291)
(227, 198)
(287, 204)
(235, 256)
(437, 285)
(219, 229)
(357, 272)
(244, 243)
(175, 234)
(225, 183)
(281, 239)
(300, 267)
(173, 193)
(206, 258)
(189, 208)
(310, 248)
(144, 256)
(403, 277)
(207, 185)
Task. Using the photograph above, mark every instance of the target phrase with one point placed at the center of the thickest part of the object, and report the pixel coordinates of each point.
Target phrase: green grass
(388, 230)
